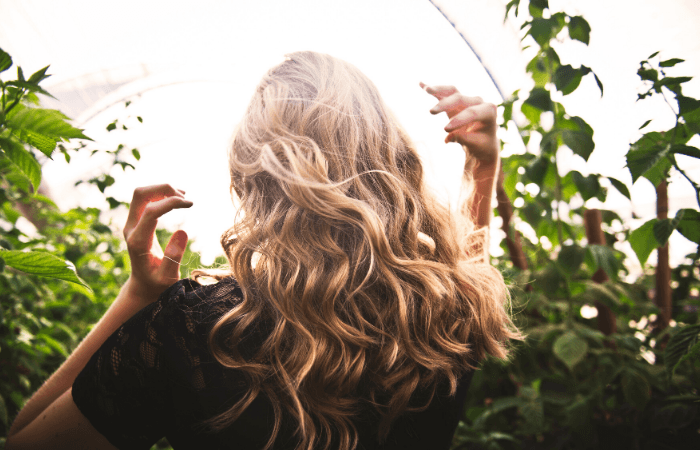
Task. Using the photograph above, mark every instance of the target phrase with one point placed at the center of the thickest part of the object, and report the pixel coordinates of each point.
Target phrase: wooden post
(662, 296)
(592, 220)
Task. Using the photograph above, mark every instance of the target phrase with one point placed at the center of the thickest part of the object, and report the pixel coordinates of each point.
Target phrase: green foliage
(24, 129)
(653, 155)
(42, 264)
(569, 385)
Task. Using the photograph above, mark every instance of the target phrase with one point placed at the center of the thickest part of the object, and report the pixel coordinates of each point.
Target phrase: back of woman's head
(367, 283)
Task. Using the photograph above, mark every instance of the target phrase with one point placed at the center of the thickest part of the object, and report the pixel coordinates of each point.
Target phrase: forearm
(485, 176)
(127, 303)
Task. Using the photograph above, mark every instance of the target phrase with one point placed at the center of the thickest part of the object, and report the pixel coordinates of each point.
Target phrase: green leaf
(680, 345)
(580, 30)
(533, 413)
(645, 124)
(567, 79)
(570, 349)
(686, 150)
(531, 113)
(599, 83)
(47, 122)
(589, 186)
(503, 403)
(659, 172)
(39, 76)
(512, 4)
(693, 355)
(5, 60)
(687, 105)
(643, 241)
(548, 279)
(42, 264)
(23, 160)
(509, 183)
(577, 135)
(44, 144)
(689, 224)
(579, 142)
(671, 62)
(11, 214)
(603, 258)
(672, 83)
(136, 154)
(570, 258)
(113, 202)
(621, 187)
(540, 99)
(652, 55)
(646, 153)
(539, 4)
(635, 388)
(647, 73)
(596, 292)
(29, 86)
(53, 343)
(532, 213)
(541, 30)
(537, 169)
(536, 68)
(663, 229)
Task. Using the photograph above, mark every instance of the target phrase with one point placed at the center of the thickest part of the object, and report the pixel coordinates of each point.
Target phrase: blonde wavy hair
(372, 288)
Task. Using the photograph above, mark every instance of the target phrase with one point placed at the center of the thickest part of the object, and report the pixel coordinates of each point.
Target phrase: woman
(355, 310)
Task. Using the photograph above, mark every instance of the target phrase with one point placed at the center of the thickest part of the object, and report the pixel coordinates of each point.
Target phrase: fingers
(140, 237)
(173, 254)
(145, 195)
(475, 117)
(438, 92)
(455, 103)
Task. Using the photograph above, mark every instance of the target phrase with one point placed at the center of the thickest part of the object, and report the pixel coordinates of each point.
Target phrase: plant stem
(694, 184)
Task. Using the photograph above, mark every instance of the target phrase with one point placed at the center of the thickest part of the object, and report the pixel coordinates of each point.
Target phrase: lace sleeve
(126, 388)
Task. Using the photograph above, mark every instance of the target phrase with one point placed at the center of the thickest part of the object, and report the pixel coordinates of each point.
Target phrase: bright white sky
(201, 64)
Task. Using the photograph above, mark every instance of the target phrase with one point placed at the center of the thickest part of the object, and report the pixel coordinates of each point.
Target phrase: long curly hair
(372, 289)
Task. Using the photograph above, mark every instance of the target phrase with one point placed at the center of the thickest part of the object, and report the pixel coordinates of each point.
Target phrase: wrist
(137, 293)
(486, 169)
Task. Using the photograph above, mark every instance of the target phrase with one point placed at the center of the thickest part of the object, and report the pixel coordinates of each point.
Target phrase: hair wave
(371, 287)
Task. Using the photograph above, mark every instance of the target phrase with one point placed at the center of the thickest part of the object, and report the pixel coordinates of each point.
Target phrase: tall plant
(577, 381)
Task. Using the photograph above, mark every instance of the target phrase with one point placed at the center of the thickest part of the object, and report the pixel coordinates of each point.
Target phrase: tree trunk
(592, 220)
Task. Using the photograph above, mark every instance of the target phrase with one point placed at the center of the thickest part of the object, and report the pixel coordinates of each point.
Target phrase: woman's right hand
(472, 122)
(152, 270)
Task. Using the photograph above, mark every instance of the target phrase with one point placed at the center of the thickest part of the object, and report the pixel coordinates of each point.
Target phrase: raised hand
(472, 122)
(153, 270)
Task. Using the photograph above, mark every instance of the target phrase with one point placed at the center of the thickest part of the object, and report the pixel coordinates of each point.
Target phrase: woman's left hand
(472, 122)
(152, 270)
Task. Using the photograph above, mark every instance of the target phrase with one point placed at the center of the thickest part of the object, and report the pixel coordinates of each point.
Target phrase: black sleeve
(125, 390)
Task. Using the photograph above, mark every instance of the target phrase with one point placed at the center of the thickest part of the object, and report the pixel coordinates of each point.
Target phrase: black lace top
(155, 377)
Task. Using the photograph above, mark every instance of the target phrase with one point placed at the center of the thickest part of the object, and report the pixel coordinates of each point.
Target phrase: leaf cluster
(569, 385)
